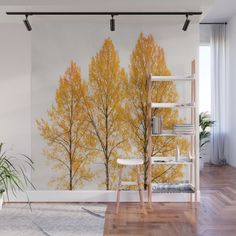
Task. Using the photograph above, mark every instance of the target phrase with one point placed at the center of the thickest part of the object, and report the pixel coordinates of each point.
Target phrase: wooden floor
(214, 216)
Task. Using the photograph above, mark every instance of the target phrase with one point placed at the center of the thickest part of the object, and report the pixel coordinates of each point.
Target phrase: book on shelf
(154, 125)
(184, 128)
(157, 125)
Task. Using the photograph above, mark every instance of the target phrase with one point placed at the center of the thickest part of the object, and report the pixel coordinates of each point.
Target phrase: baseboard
(97, 196)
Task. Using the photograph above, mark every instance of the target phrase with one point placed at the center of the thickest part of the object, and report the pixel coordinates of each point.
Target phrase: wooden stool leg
(140, 188)
(118, 190)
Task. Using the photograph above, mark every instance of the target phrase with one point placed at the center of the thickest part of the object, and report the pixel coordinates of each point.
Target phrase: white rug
(52, 219)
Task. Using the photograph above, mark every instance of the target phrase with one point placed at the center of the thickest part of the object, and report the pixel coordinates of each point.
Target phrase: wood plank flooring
(214, 216)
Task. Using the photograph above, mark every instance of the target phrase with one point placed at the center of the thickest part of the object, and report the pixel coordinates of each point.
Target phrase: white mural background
(56, 43)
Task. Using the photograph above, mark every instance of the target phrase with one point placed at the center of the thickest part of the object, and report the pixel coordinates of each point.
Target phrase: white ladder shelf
(192, 186)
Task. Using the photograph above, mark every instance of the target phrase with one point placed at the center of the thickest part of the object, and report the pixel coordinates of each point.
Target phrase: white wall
(231, 34)
(205, 34)
(15, 67)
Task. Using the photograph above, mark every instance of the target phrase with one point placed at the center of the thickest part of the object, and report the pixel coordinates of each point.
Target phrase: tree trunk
(107, 175)
(145, 172)
(145, 154)
(106, 154)
(70, 144)
(71, 164)
(71, 186)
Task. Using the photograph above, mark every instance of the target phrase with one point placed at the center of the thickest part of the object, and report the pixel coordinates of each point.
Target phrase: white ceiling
(105, 5)
(221, 11)
(114, 4)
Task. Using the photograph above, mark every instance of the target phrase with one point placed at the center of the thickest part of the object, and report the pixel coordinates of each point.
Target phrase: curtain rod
(31, 13)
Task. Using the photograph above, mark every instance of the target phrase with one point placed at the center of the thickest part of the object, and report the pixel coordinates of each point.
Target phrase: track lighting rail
(112, 14)
(29, 13)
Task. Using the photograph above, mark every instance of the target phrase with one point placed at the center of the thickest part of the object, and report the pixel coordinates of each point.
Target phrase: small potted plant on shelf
(12, 174)
(205, 123)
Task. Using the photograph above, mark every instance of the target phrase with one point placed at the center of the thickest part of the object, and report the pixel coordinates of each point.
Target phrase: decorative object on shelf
(12, 172)
(190, 157)
(205, 123)
(177, 154)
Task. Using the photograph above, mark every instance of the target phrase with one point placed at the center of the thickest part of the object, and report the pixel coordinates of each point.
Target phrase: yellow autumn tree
(106, 110)
(148, 58)
(65, 131)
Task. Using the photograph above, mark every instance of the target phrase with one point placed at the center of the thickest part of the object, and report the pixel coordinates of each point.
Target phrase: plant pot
(201, 163)
(1, 200)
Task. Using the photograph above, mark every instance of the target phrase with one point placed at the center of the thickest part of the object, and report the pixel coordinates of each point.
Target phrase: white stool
(129, 162)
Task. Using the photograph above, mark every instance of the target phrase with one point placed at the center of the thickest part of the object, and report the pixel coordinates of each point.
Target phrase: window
(205, 78)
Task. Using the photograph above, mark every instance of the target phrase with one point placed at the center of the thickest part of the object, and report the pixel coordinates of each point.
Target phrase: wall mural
(105, 117)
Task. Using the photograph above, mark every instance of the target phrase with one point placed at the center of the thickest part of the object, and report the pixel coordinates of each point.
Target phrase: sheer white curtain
(218, 95)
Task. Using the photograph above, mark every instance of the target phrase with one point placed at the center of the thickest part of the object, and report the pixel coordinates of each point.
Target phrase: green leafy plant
(12, 173)
(205, 123)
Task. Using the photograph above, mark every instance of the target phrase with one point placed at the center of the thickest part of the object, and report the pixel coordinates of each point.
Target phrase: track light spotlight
(27, 24)
(112, 23)
(186, 23)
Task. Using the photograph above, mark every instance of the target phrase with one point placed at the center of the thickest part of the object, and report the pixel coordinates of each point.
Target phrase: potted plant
(205, 123)
(12, 173)
(1, 197)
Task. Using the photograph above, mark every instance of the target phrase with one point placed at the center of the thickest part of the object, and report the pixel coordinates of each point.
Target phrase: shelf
(128, 183)
(171, 133)
(172, 78)
(171, 161)
(173, 188)
(187, 161)
(171, 105)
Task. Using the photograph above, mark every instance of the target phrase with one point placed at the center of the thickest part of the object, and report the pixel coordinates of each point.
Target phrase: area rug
(52, 219)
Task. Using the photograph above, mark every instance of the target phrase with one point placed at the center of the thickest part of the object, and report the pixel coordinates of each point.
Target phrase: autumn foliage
(105, 117)
(65, 131)
(107, 87)
(149, 58)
